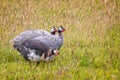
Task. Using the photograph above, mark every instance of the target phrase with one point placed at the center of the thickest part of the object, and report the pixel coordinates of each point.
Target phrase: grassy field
(91, 49)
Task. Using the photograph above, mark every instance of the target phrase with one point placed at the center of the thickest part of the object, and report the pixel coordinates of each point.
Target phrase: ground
(91, 49)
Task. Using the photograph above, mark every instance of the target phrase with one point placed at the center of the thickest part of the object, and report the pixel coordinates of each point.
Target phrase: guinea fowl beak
(63, 30)
(57, 53)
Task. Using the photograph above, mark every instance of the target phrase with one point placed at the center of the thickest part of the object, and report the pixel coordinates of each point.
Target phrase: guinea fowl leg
(30, 63)
(37, 64)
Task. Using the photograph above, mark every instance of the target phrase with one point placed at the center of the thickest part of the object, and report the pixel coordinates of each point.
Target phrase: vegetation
(91, 49)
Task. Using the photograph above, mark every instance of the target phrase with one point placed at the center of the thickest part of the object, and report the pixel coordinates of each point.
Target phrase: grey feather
(29, 34)
(54, 41)
(35, 51)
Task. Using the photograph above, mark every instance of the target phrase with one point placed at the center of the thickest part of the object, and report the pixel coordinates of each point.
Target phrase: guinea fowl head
(53, 30)
(61, 29)
(55, 52)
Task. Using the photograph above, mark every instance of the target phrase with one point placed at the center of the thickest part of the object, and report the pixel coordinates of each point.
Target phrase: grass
(91, 49)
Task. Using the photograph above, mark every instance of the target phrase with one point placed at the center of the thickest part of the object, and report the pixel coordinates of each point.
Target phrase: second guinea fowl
(54, 42)
(36, 51)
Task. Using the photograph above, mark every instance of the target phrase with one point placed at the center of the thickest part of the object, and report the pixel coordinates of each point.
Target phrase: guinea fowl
(36, 51)
(55, 41)
(29, 34)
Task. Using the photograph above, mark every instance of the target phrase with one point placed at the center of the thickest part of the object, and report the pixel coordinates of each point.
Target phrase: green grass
(91, 49)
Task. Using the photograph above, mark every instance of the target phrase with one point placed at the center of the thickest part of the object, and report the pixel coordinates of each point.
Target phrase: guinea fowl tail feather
(11, 41)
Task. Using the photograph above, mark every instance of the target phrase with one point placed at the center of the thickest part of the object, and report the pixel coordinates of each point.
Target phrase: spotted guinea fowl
(36, 51)
(29, 34)
(54, 42)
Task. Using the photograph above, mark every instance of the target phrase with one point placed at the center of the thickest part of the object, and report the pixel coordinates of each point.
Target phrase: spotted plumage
(36, 51)
(30, 34)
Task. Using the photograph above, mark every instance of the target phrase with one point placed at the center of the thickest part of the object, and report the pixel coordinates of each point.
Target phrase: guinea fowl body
(52, 41)
(36, 51)
(30, 34)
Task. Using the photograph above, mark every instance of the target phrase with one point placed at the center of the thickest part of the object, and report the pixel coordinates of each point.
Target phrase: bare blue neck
(60, 35)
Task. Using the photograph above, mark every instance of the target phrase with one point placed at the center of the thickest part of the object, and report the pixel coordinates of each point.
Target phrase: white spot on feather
(33, 57)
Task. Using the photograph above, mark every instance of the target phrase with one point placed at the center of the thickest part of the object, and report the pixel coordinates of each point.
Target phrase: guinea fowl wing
(36, 45)
(54, 42)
